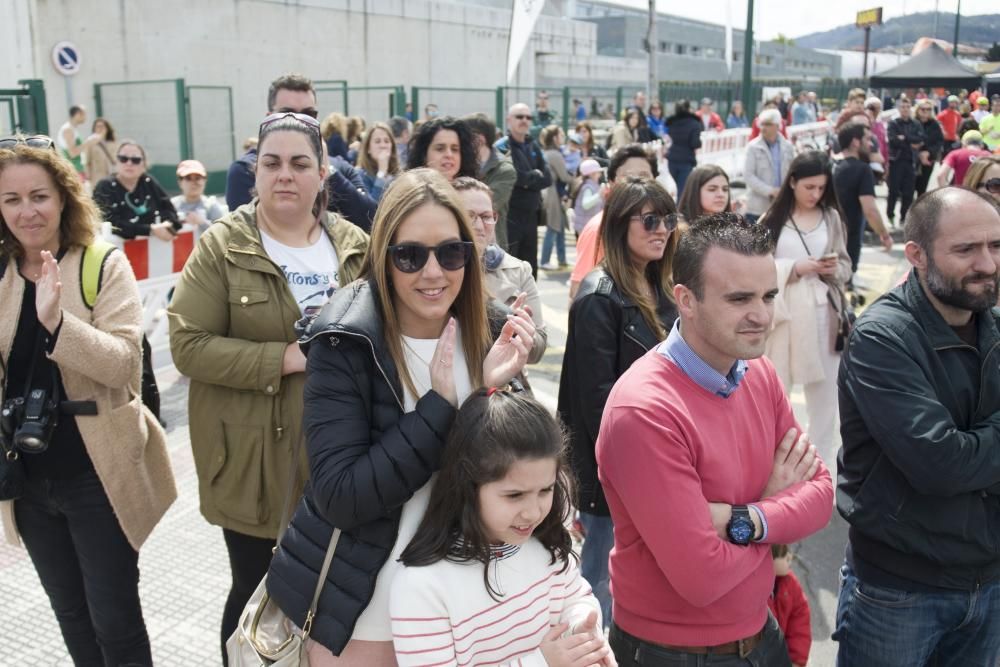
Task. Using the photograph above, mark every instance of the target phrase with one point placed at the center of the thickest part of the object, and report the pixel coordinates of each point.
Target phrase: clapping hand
(442, 364)
(510, 352)
(48, 291)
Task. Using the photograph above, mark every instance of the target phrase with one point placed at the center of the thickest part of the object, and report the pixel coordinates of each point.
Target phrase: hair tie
(491, 391)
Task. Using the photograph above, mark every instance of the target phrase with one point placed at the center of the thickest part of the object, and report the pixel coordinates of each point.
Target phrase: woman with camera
(96, 477)
(813, 267)
(254, 274)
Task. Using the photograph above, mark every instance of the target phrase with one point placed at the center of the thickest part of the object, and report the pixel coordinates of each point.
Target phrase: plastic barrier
(157, 265)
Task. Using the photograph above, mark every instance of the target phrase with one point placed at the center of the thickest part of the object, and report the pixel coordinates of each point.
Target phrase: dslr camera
(27, 424)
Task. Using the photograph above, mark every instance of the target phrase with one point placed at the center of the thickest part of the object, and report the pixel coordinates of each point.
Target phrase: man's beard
(954, 294)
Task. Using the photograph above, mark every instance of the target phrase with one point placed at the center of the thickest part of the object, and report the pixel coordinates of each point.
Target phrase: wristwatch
(740, 527)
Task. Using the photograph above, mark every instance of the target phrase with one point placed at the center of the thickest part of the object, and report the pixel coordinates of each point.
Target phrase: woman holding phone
(813, 266)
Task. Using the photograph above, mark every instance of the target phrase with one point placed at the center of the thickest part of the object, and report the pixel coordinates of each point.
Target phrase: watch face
(741, 530)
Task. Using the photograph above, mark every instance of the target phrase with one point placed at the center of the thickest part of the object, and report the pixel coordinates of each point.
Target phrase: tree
(781, 38)
(993, 55)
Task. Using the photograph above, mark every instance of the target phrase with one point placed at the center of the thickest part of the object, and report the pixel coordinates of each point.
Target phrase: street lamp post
(958, 16)
(751, 104)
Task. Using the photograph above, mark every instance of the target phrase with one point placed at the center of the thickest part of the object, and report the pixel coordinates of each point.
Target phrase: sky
(794, 18)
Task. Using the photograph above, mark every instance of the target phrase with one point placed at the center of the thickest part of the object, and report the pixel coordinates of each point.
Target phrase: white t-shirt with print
(312, 272)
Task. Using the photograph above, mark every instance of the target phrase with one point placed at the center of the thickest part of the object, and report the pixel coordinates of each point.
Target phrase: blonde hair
(977, 172)
(80, 217)
(365, 160)
(335, 122)
(410, 191)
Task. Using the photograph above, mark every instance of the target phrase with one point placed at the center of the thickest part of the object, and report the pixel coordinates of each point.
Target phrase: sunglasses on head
(125, 159)
(651, 221)
(992, 186)
(35, 141)
(304, 118)
(411, 257)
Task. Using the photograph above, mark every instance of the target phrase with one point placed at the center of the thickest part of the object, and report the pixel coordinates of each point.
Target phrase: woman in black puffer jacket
(389, 360)
(684, 129)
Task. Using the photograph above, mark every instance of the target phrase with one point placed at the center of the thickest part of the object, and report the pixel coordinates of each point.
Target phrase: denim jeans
(679, 171)
(632, 652)
(560, 241)
(600, 537)
(888, 627)
(88, 569)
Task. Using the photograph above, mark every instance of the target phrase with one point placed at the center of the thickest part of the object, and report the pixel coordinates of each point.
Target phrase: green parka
(231, 317)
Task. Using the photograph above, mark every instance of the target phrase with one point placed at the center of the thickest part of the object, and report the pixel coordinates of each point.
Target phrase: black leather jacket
(607, 333)
(919, 477)
(912, 133)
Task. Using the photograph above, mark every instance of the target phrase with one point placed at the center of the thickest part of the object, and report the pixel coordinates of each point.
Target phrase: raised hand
(48, 292)
(442, 364)
(795, 461)
(509, 353)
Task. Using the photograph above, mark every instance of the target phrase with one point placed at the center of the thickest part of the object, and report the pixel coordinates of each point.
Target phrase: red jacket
(714, 121)
(789, 605)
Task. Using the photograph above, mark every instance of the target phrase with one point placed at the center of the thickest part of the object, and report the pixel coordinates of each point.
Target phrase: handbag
(265, 636)
(841, 305)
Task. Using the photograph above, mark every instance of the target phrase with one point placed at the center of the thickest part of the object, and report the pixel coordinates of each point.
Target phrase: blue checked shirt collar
(676, 349)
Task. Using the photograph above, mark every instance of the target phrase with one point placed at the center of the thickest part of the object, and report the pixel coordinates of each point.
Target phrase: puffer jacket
(366, 457)
(919, 478)
(685, 138)
(607, 333)
(231, 318)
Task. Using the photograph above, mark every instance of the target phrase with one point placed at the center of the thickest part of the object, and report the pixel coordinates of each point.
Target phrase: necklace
(140, 209)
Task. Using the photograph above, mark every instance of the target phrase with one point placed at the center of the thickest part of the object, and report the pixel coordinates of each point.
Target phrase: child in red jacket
(789, 605)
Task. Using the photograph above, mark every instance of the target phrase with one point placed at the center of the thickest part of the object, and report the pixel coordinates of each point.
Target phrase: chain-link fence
(212, 131)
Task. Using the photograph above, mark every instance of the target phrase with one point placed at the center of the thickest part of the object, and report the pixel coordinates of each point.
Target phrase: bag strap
(92, 270)
(323, 571)
(838, 308)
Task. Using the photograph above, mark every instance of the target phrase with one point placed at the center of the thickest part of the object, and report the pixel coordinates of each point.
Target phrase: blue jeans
(679, 171)
(632, 652)
(600, 537)
(88, 569)
(560, 240)
(888, 627)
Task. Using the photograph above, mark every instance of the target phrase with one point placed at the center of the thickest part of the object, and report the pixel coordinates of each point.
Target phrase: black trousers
(902, 181)
(522, 238)
(88, 569)
(249, 558)
(923, 177)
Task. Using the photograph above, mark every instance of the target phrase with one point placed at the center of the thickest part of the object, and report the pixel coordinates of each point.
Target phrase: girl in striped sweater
(490, 578)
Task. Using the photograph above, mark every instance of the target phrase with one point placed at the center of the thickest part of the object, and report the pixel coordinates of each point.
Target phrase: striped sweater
(442, 614)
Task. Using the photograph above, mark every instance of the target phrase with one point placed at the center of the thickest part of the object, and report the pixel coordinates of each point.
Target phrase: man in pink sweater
(704, 466)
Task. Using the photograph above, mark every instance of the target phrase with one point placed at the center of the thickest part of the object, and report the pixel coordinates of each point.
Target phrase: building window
(664, 47)
(710, 53)
(679, 49)
(695, 50)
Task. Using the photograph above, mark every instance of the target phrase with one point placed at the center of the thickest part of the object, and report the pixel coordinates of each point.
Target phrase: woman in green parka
(255, 273)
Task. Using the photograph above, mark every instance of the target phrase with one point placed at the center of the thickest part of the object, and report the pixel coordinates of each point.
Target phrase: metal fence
(212, 132)
(23, 108)
(458, 101)
(831, 93)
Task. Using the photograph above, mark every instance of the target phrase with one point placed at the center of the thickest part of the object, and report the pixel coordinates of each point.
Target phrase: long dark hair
(421, 141)
(492, 431)
(628, 199)
(690, 200)
(805, 165)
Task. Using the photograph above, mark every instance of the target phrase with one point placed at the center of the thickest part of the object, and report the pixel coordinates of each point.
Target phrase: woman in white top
(813, 267)
(390, 358)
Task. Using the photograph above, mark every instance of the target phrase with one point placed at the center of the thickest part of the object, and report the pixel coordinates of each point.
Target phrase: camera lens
(31, 440)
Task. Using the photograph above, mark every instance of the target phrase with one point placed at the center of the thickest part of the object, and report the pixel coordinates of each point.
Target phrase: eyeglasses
(35, 141)
(305, 119)
(523, 116)
(309, 111)
(489, 218)
(125, 159)
(193, 177)
(411, 257)
(651, 221)
(992, 186)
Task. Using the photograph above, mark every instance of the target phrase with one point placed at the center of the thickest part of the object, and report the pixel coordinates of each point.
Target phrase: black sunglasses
(411, 257)
(308, 111)
(651, 221)
(523, 116)
(35, 141)
(992, 186)
(125, 159)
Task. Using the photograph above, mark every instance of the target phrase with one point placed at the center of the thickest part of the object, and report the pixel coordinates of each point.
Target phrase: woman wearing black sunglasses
(624, 307)
(133, 201)
(390, 360)
(984, 176)
(255, 272)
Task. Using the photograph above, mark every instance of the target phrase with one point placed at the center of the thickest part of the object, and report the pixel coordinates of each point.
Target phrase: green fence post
(98, 107)
(618, 101)
(499, 108)
(566, 104)
(183, 127)
(401, 106)
(36, 89)
(415, 100)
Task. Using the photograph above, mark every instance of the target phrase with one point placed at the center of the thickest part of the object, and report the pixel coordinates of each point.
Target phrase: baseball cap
(972, 136)
(706, 101)
(982, 101)
(588, 167)
(188, 167)
(952, 98)
(575, 137)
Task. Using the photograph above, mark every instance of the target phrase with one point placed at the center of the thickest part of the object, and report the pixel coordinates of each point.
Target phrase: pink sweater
(667, 447)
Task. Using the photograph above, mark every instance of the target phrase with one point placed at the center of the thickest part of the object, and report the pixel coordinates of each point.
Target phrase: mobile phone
(829, 256)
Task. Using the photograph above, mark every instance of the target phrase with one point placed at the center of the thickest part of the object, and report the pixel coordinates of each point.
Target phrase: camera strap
(79, 408)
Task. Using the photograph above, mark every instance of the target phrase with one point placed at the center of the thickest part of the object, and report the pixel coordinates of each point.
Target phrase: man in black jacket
(919, 474)
(348, 197)
(906, 139)
(532, 177)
